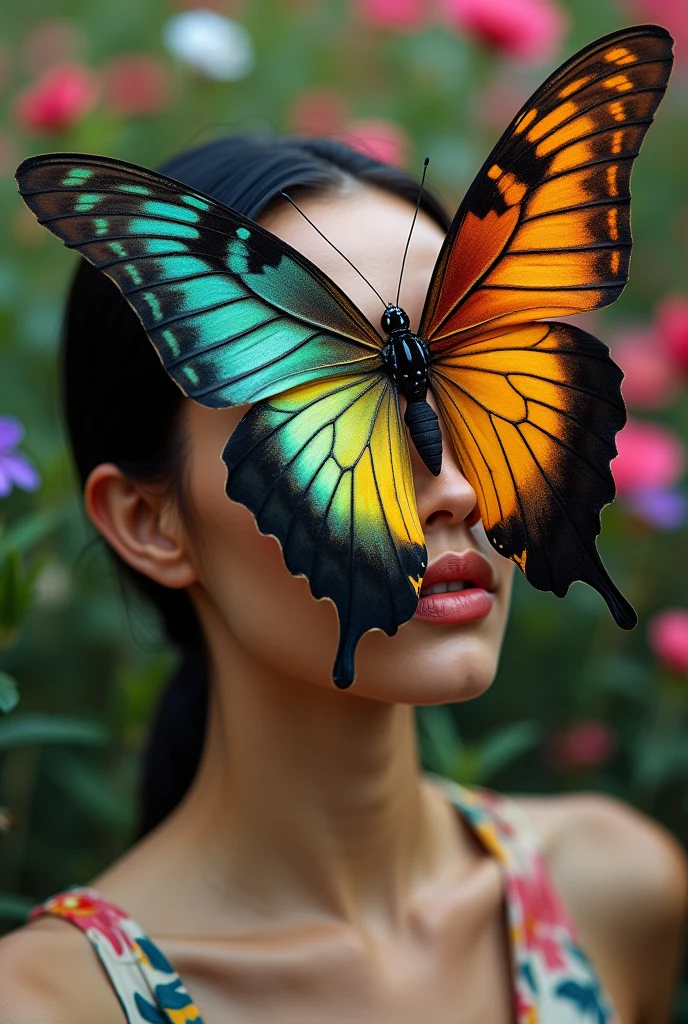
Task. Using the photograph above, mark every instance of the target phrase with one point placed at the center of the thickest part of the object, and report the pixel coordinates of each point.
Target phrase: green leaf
(16, 594)
(439, 738)
(28, 531)
(660, 760)
(621, 674)
(9, 693)
(93, 789)
(466, 767)
(29, 727)
(504, 745)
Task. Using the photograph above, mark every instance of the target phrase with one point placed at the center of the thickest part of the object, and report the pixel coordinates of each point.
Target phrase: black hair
(121, 406)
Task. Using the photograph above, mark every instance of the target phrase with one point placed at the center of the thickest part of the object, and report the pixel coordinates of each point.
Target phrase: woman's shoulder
(624, 879)
(600, 849)
(49, 974)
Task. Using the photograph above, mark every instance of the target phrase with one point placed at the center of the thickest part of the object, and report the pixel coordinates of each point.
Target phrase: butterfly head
(394, 319)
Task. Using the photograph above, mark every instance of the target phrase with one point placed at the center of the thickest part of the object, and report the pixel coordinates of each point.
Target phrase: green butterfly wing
(235, 314)
(325, 468)
(238, 316)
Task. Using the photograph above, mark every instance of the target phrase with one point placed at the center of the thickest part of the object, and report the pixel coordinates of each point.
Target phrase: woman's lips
(461, 589)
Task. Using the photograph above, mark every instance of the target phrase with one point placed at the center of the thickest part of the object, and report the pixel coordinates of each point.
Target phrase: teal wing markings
(325, 468)
(235, 314)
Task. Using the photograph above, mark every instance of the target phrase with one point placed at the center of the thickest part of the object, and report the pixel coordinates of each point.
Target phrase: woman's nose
(447, 499)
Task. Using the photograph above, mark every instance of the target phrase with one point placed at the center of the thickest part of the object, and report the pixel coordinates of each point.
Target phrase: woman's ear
(138, 521)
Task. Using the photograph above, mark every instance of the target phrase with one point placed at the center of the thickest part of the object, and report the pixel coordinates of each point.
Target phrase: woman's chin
(449, 669)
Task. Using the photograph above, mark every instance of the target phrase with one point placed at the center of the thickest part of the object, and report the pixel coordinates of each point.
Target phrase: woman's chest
(450, 963)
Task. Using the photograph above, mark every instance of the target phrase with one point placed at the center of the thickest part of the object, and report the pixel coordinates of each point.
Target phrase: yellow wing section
(325, 468)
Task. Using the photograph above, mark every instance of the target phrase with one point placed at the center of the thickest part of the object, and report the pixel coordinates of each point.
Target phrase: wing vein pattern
(544, 230)
(533, 425)
(235, 314)
(327, 471)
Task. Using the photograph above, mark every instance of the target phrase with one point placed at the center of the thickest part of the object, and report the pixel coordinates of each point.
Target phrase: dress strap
(147, 986)
(554, 980)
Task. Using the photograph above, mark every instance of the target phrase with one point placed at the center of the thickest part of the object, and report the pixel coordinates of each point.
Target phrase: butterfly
(321, 458)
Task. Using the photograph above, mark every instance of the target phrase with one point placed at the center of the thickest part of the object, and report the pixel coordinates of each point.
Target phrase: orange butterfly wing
(533, 408)
(544, 230)
(533, 411)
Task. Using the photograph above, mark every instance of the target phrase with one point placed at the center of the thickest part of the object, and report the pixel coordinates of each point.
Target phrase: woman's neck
(309, 802)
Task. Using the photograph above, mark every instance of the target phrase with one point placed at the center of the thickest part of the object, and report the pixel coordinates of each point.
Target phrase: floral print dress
(554, 982)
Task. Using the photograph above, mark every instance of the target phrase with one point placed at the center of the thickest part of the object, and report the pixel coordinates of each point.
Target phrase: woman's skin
(312, 873)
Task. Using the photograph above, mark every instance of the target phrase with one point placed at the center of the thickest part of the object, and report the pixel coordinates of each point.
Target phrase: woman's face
(243, 583)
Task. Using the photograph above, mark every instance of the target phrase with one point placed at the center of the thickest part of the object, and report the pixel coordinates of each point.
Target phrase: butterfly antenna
(413, 224)
(290, 200)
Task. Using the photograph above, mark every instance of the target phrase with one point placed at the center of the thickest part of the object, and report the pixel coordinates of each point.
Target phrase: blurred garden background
(578, 704)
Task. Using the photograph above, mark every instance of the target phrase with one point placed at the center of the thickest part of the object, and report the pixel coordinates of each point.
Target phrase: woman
(307, 870)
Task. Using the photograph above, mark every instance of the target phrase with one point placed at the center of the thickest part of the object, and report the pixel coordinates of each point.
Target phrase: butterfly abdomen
(407, 360)
(424, 428)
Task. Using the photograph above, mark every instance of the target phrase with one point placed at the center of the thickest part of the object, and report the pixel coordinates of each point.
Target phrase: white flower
(212, 44)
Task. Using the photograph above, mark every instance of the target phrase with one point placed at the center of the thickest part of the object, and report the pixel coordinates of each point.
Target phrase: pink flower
(667, 635)
(382, 140)
(51, 42)
(319, 111)
(585, 745)
(649, 376)
(649, 456)
(394, 15)
(58, 100)
(529, 30)
(136, 85)
(672, 328)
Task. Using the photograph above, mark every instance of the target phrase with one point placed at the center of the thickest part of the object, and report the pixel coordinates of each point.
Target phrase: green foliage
(22, 729)
(9, 693)
(90, 670)
(476, 763)
(16, 595)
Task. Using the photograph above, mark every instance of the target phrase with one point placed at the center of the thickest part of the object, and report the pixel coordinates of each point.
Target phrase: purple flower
(659, 507)
(15, 469)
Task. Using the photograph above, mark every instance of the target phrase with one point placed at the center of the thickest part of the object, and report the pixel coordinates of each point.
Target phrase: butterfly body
(407, 361)
(530, 405)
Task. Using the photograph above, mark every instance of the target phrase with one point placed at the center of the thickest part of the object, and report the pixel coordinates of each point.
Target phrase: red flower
(382, 140)
(649, 456)
(529, 30)
(395, 15)
(136, 85)
(585, 745)
(667, 636)
(58, 100)
(649, 376)
(672, 328)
